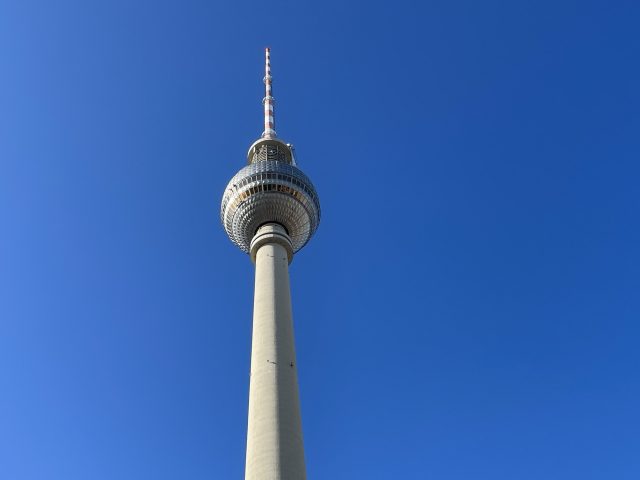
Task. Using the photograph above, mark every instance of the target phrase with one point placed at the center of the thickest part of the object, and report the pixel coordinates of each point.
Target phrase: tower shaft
(274, 438)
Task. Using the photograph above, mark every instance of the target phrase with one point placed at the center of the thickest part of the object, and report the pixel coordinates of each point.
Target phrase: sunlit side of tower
(270, 210)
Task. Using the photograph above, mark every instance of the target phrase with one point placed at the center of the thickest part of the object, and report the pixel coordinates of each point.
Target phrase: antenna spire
(268, 101)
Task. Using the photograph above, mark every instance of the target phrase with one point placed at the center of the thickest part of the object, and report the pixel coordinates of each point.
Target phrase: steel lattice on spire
(268, 101)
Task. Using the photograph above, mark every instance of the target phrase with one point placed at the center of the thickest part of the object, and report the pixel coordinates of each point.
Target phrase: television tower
(270, 210)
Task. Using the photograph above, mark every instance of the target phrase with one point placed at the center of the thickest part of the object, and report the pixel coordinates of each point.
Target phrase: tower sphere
(271, 189)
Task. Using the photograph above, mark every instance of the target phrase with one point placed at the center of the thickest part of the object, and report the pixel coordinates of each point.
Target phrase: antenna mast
(268, 101)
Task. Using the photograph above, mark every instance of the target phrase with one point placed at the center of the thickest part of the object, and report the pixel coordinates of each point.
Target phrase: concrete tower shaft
(274, 438)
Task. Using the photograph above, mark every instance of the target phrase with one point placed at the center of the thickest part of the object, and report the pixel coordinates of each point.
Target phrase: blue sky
(468, 308)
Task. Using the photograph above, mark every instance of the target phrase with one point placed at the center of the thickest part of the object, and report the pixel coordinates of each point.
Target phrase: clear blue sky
(468, 308)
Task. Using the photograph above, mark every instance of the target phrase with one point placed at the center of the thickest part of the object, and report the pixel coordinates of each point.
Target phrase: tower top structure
(269, 146)
(271, 189)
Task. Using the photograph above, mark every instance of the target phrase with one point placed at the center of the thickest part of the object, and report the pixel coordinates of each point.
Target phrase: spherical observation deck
(271, 189)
